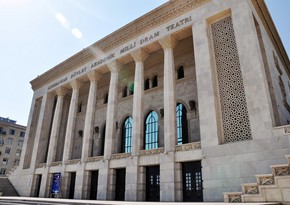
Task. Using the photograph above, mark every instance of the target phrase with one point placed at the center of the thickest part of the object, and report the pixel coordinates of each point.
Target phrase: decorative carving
(55, 164)
(266, 180)
(287, 129)
(73, 161)
(95, 159)
(151, 152)
(281, 171)
(189, 146)
(252, 189)
(234, 112)
(41, 165)
(120, 155)
(235, 198)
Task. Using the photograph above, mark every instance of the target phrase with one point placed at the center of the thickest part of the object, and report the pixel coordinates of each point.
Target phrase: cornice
(265, 17)
(145, 23)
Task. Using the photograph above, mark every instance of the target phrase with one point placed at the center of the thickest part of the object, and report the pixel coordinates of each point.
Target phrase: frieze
(252, 189)
(120, 155)
(151, 152)
(266, 180)
(281, 170)
(41, 165)
(95, 159)
(55, 164)
(235, 198)
(189, 146)
(73, 161)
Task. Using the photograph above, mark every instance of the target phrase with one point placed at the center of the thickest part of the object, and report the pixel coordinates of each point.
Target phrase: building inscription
(146, 39)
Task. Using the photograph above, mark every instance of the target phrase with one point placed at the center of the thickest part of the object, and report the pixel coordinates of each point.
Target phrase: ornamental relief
(189, 146)
(252, 189)
(151, 152)
(235, 198)
(95, 159)
(281, 171)
(266, 180)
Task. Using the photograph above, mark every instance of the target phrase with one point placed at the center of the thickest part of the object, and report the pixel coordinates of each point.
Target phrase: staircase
(273, 187)
(6, 187)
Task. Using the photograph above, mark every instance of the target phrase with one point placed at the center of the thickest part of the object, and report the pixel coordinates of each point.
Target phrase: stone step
(280, 170)
(250, 188)
(233, 197)
(253, 198)
(265, 179)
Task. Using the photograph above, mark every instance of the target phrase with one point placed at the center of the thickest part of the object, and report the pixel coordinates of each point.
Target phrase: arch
(181, 124)
(147, 84)
(126, 143)
(180, 72)
(155, 81)
(151, 135)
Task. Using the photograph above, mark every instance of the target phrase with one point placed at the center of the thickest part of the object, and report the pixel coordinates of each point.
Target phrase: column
(168, 43)
(205, 85)
(138, 117)
(90, 113)
(75, 84)
(55, 125)
(42, 130)
(114, 67)
(167, 165)
(29, 125)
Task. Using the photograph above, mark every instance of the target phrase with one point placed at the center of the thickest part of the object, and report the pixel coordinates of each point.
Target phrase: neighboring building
(11, 143)
(183, 104)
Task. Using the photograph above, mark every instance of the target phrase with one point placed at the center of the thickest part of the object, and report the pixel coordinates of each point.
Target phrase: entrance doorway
(94, 185)
(153, 183)
(120, 184)
(37, 184)
(72, 185)
(192, 182)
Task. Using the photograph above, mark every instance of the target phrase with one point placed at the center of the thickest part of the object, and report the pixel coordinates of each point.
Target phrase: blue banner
(55, 188)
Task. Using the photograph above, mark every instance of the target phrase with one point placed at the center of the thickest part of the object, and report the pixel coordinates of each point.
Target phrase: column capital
(94, 75)
(139, 55)
(168, 42)
(115, 66)
(76, 84)
(61, 91)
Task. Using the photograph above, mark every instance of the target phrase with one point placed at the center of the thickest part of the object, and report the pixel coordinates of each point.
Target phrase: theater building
(182, 104)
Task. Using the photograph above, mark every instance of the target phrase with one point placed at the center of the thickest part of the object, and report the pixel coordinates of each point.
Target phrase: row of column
(139, 57)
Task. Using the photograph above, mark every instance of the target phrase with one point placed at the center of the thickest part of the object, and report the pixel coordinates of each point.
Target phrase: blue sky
(36, 35)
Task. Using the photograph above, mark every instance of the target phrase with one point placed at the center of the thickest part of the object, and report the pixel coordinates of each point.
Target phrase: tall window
(155, 82)
(181, 122)
(106, 98)
(126, 145)
(151, 131)
(180, 72)
(125, 92)
(11, 132)
(147, 84)
(103, 134)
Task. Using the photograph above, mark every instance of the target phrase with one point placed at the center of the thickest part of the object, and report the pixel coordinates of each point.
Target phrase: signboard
(55, 188)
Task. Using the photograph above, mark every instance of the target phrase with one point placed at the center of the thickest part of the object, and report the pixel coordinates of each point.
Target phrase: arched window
(103, 134)
(106, 98)
(125, 92)
(155, 82)
(126, 145)
(147, 84)
(180, 72)
(181, 122)
(151, 131)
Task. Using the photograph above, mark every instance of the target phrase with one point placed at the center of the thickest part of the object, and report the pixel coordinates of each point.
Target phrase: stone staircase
(273, 187)
(6, 188)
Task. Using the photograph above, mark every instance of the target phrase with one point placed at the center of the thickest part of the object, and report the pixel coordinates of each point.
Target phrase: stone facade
(221, 63)
(11, 143)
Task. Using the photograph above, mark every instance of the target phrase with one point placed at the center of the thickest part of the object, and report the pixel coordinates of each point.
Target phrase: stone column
(90, 113)
(167, 167)
(42, 129)
(138, 104)
(55, 125)
(114, 67)
(168, 43)
(75, 84)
